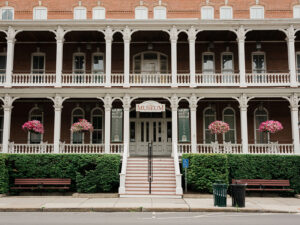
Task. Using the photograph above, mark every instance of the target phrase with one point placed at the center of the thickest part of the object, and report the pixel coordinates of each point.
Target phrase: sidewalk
(71, 204)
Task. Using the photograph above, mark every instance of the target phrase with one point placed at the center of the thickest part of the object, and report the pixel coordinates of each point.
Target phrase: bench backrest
(42, 181)
(261, 182)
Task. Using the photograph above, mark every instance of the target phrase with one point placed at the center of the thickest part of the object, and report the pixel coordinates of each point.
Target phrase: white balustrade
(117, 79)
(2, 78)
(225, 79)
(123, 170)
(183, 79)
(43, 148)
(268, 79)
(226, 148)
(272, 148)
(81, 148)
(33, 79)
(178, 175)
(75, 79)
(150, 79)
(184, 148)
(116, 148)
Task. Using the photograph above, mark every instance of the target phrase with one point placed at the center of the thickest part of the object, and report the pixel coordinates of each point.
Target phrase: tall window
(257, 12)
(160, 12)
(79, 63)
(208, 63)
(40, 13)
(141, 13)
(229, 117)
(80, 13)
(7, 13)
(98, 63)
(207, 13)
(2, 63)
(260, 115)
(298, 65)
(98, 13)
(209, 116)
(38, 63)
(1, 125)
(227, 62)
(35, 114)
(97, 121)
(296, 12)
(258, 62)
(150, 62)
(226, 13)
(77, 137)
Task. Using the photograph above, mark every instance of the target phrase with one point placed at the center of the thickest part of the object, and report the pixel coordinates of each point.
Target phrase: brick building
(144, 71)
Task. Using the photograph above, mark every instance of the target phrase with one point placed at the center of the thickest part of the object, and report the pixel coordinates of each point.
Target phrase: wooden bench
(264, 185)
(42, 183)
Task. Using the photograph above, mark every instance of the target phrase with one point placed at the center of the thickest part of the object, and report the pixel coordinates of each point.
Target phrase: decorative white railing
(226, 148)
(117, 79)
(183, 79)
(123, 170)
(37, 79)
(2, 78)
(218, 79)
(81, 148)
(184, 148)
(43, 148)
(116, 148)
(268, 79)
(272, 148)
(148, 79)
(86, 79)
(178, 175)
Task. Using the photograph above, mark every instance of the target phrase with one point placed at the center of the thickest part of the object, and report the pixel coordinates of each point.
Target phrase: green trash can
(220, 194)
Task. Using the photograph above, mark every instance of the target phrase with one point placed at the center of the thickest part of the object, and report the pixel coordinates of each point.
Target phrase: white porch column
(291, 55)
(173, 39)
(11, 33)
(7, 108)
(174, 107)
(126, 108)
(108, 44)
(243, 100)
(193, 109)
(241, 36)
(107, 106)
(59, 55)
(192, 41)
(127, 39)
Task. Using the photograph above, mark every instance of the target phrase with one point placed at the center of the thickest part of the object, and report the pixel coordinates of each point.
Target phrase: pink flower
(271, 126)
(218, 127)
(82, 125)
(33, 126)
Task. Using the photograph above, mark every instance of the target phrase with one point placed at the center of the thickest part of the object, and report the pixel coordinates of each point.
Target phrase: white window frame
(206, 128)
(7, 7)
(159, 16)
(4, 54)
(38, 54)
(234, 122)
(98, 54)
(102, 15)
(101, 129)
(145, 14)
(257, 128)
(72, 119)
(73, 63)
(296, 8)
(142, 59)
(227, 53)
(80, 8)
(252, 11)
(30, 115)
(222, 16)
(42, 8)
(265, 58)
(203, 15)
(208, 53)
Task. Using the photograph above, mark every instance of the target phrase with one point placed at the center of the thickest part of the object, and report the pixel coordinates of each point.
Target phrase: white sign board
(150, 106)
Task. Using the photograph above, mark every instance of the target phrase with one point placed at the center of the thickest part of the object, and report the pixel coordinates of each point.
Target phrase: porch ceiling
(35, 36)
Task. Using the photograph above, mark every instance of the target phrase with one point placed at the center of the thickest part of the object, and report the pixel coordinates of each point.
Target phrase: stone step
(154, 185)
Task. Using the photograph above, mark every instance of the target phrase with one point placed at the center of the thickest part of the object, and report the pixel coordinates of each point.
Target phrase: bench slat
(40, 182)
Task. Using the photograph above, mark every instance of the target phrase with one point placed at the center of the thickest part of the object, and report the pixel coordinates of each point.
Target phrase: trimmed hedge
(89, 173)
(3, 175)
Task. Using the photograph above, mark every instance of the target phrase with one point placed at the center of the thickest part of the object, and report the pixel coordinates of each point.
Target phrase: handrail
(123, 171)
(178, 175)
(150, 165)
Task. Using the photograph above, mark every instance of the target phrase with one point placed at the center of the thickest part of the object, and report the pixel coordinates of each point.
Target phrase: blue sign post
(185, 165)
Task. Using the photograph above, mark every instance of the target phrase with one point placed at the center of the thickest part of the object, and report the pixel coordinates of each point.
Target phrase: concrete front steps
(163, 184)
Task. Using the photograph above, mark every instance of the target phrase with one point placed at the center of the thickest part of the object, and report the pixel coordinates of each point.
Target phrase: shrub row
(88, 173)
(206, 169)
(3, 175)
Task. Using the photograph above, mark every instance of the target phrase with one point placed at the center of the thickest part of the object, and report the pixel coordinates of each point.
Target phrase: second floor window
(7, 13)
(2, 63)
(141, 13)
(38, 63)
(98, 13)
(207, 13)
(79, 63)
(257, 12)
(258, 63)
(35, 114)
(227, 62)
(80, 13)
(40, 13)
(98, 63)
(208, 65)
(160, 12)
(226, 13)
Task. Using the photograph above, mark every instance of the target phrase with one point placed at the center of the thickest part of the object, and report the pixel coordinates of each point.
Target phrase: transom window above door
(150, 62)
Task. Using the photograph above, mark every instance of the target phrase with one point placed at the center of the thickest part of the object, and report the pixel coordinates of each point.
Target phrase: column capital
(290, 33)
(126, 102)
(241, 33)
(8, 101)
(192, 33)
(11, 34)
(108, 34)
(60, 34)
(193, 102)
(243, 101)
(107, 102)
(294, 102)
(174, 102)
(58, 101)
(173, 34)
(127, 34)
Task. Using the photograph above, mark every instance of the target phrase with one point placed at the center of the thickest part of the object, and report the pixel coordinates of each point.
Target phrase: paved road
(93, 218)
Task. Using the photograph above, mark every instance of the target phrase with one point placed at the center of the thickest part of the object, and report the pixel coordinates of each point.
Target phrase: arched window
(98, 13)
(229, 117)
(141, 13)
(35, 114)
(257, 12)
(207, 13)
(160, 12)
(77, 114)
(1, 125)
(226, 13)
(97, 121)
(40, 13)
(80, 13)
(150, 62)
(296, 12)
(7, 13)
(209, 116)
(260, 115)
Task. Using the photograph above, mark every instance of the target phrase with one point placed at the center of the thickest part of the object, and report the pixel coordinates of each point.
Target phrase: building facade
(150, 71)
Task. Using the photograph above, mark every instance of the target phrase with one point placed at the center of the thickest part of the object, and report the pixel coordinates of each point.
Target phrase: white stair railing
(123, 171)
(178, 175)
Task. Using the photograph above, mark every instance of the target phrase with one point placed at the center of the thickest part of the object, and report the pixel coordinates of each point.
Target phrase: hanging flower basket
(218, 127)
(33, 126)
(270, 126)
(82, 126)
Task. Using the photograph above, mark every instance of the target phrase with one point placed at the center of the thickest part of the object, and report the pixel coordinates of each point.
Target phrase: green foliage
(204, 170)
(3, 175)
